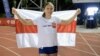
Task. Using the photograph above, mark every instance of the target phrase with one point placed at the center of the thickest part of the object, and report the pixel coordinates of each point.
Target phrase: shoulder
(55, 18)
(38, 18)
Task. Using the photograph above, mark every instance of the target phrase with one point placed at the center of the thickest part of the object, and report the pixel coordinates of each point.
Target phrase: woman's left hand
(78, 11)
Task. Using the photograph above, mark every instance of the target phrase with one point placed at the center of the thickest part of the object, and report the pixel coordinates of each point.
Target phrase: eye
(51, 8)
(47, 8)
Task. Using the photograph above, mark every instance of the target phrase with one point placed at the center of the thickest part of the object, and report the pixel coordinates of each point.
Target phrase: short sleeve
(58, 21)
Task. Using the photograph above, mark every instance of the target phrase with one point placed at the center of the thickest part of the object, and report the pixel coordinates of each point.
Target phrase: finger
(13, 10)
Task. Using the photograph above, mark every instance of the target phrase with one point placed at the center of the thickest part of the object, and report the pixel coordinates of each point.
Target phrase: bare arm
(23, 21)
(72, 18)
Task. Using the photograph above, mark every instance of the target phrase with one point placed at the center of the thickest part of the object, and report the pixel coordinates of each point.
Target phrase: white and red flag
(26, 35)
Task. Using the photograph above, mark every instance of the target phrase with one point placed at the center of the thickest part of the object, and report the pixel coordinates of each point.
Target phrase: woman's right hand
(14, 10)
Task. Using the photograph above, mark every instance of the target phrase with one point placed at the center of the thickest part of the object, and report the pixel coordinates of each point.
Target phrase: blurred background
(89, 17)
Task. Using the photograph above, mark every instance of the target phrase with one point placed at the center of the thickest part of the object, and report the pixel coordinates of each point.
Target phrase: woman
(47, 29)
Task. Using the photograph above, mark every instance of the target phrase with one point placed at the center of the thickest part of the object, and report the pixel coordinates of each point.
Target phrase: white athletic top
(47, 32)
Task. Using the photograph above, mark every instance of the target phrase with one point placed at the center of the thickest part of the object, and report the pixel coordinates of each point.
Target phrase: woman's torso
(47, 31)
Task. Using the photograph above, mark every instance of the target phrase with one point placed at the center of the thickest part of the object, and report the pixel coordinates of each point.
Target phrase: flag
(26, 35)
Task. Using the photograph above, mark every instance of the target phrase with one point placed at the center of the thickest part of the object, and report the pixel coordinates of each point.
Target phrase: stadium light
(92, 10)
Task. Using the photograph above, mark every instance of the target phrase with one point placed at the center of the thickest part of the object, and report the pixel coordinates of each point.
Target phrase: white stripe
(32, 14)
(31, 40)
(27, 40)
(66, 39)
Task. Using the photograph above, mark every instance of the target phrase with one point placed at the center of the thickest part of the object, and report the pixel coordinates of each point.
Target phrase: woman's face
(48, 9)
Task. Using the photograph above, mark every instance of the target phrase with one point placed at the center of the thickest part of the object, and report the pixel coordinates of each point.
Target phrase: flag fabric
(26, 35)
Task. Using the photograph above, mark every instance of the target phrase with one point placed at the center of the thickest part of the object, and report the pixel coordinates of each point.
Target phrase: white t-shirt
(47, 31)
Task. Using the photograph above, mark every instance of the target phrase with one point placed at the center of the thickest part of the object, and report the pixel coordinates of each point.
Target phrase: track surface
(87, 44)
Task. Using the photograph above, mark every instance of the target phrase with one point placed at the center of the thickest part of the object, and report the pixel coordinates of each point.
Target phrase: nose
(50, 10)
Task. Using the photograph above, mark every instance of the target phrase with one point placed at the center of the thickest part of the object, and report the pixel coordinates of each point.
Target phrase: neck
(48, 16)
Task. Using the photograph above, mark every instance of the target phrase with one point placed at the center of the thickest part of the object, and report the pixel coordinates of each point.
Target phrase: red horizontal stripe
(20, 28)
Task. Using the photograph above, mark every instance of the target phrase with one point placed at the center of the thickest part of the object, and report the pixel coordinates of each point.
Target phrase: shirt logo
(53, 25)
